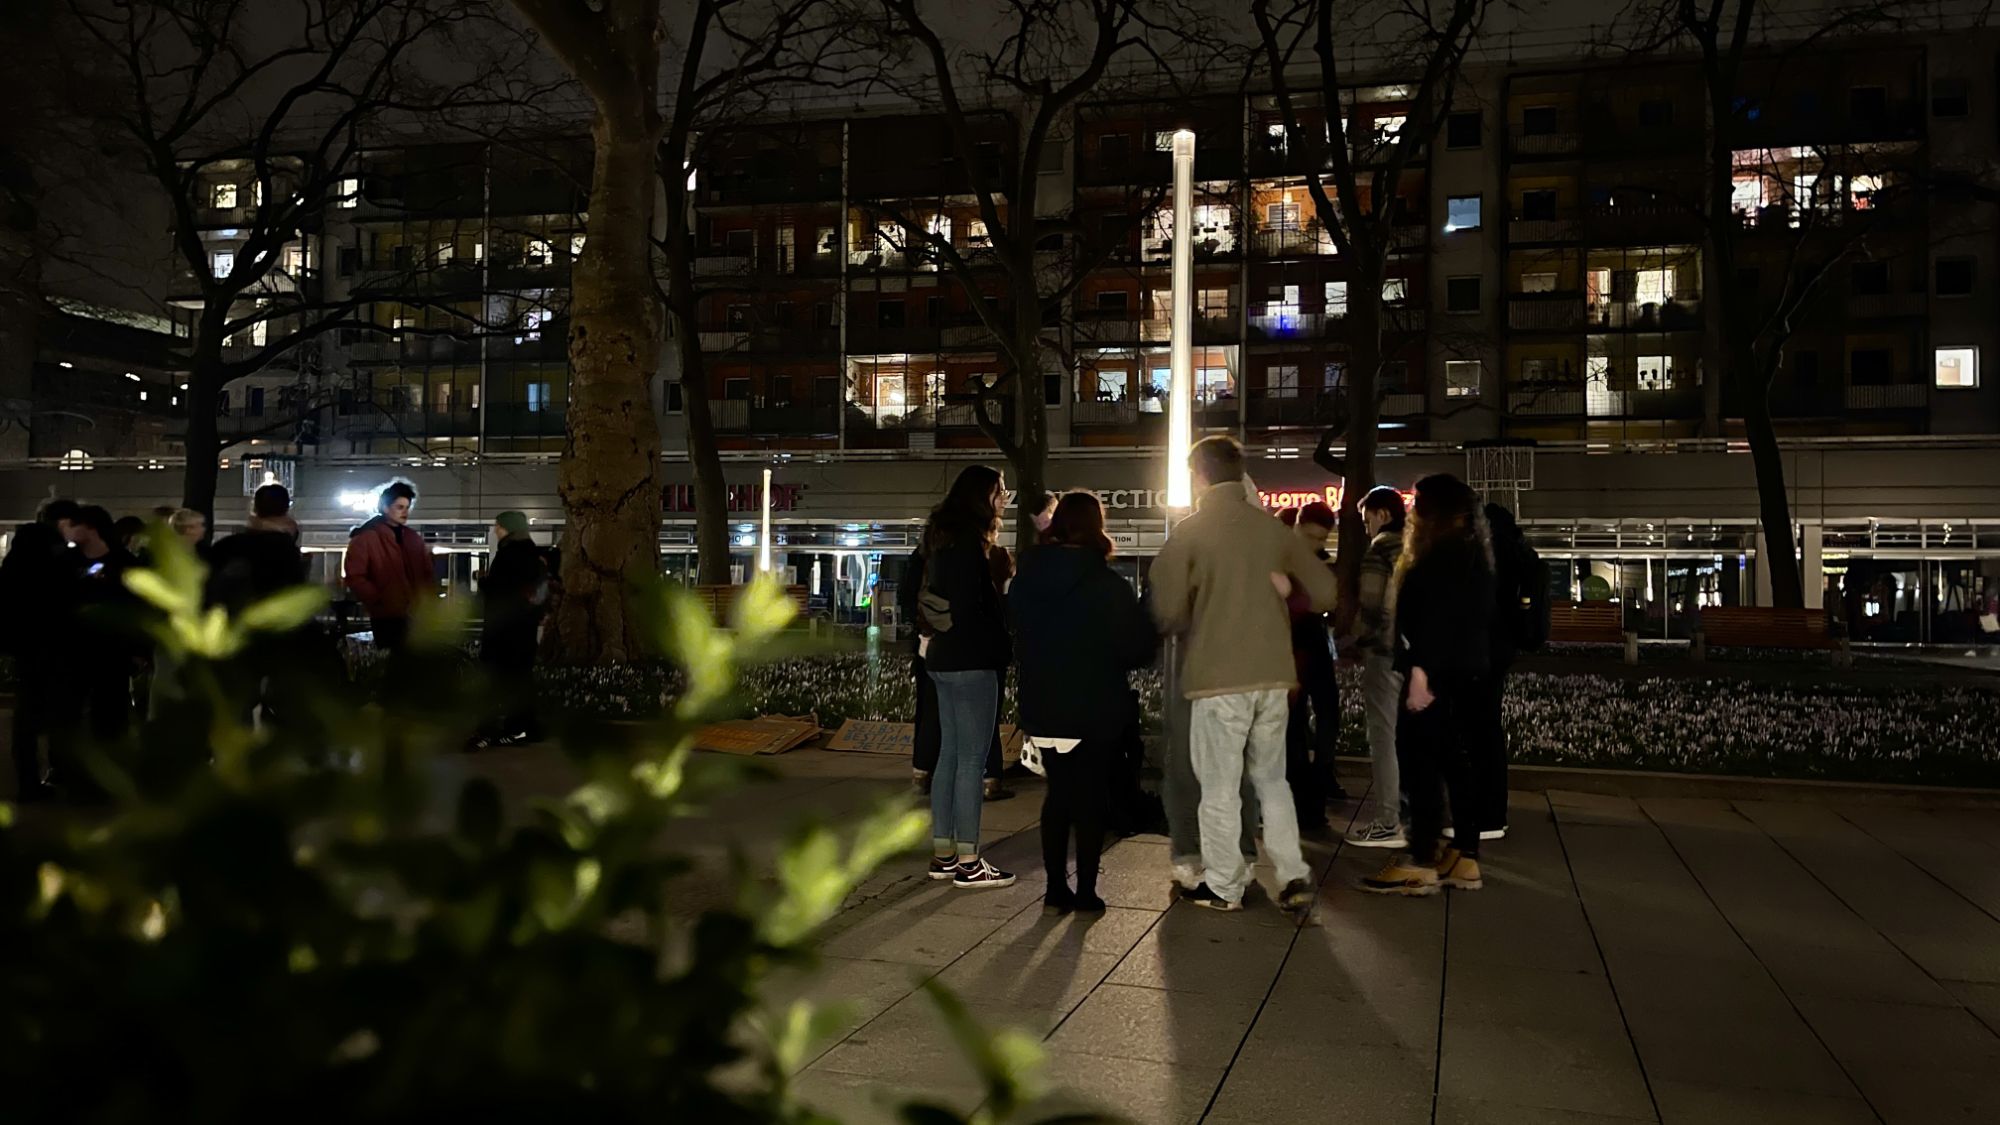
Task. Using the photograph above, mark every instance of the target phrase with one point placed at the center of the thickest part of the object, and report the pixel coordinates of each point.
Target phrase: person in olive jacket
(966, 651)
(1079, 629)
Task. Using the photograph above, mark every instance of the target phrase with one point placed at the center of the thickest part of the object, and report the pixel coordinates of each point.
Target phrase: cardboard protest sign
(766, 734)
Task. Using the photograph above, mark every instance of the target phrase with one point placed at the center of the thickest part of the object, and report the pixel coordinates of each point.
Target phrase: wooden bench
(1742, 626)
(1592, 623)
(718, 600)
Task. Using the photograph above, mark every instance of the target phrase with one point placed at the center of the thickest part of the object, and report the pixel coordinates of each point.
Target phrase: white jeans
(1229, 735)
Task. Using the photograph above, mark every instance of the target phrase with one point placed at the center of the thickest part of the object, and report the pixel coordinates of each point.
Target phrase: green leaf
(761, 611)
(153, 588)
(283, 611)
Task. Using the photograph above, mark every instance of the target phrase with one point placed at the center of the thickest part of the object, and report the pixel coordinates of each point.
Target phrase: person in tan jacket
(1220, 583)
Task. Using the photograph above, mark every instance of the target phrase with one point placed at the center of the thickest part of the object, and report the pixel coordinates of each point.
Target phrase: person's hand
(1282, 583)
(1420, 695)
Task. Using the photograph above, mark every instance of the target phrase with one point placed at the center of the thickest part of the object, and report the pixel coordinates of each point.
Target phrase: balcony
(871, 340)
(1639, 224)
(1293, 325)
(1096, 413)
(1308, 241)
(773, 341)
(1680, 314)
(802, 184)
(1555, 401)
(1888, 396)
(1887, 306)
(1543, 143)
(791, 419)
(1406, 319)
(1563, 227)
(1274, 410)
(1545, 312)
(1403, 404)
(1118, 328)
(952, 422)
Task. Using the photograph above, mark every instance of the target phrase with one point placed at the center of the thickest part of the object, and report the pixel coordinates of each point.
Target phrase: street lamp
(1180, 401)
(764, 538)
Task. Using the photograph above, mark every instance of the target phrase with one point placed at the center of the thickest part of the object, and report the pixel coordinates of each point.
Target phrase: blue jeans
(968, 705)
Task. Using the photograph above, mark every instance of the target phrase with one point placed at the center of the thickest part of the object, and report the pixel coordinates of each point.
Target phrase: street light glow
(1180, 401)
(764, 538)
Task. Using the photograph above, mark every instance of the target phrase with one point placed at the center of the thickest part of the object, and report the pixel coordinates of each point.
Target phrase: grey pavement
(1684, 960)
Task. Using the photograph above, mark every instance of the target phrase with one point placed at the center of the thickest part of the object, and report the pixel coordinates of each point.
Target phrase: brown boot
(1455, 869)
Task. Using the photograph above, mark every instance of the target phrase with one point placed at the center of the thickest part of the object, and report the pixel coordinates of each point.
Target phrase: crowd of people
(1249, 607)
(84, 671)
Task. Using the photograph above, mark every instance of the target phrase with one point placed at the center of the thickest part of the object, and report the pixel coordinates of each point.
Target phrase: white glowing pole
(764, 539)
(1180, 400)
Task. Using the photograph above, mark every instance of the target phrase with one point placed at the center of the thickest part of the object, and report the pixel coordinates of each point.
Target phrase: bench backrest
(1586, 621)
(717, 600)
(1765, 627)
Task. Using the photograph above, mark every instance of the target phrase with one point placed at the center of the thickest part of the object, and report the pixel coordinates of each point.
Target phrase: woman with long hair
(1441, 599)
(966, 653)
(1079, 629)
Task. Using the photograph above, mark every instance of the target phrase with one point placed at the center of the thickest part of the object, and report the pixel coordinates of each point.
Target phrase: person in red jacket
(389, 566)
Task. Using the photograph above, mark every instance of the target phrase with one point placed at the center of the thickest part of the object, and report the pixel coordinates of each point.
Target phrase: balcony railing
(1546, 312)
(1292, 325)
(1308, 241)
(1095, 328)
(1565, 401)
(794, 419)
(1680, 314)
(1888, 396)
(1403, 404)
(1870, 306)
(1271, 409)
(1542, 142)
(1562, 228)
(1096, 413)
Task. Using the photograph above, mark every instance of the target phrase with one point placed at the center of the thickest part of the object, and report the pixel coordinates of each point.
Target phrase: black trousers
(1489, 762)
(929, 735)
(507, 651)
(93, 703)
(1078, 800)
(1311, 742)
(34, 718)
(1435, 748)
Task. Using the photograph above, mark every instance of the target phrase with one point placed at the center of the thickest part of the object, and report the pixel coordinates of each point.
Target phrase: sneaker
(1297, 895)
(1204, 897)
(920, 780)
(944, 866)
(1407, 877)
(1499, 833)
(1378, 836)
(1455, 869)
(978, 873)
(994, 791)
(1187, 876)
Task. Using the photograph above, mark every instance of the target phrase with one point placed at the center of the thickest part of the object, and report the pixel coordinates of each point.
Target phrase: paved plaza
(1677, 960)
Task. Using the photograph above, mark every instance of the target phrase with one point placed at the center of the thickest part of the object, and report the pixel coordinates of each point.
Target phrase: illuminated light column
(1180, 402)
(764, 540)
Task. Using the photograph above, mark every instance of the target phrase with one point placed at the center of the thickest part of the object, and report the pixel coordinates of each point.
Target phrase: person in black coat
(37, 581)
(512, 593)
(1312, 730)
(1079, 629)
(1443, 597)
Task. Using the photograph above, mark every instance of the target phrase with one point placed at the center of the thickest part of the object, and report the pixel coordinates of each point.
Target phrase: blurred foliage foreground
(307, 920)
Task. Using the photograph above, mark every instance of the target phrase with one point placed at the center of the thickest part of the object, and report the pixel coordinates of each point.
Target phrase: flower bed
(1915, 734)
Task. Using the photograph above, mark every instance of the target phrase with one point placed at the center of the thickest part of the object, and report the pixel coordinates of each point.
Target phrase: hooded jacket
(388, 568)
(1078, 629)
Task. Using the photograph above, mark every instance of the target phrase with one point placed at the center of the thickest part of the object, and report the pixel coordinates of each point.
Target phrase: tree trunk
(201, 468)
(1780, 556)
(1364, 413)
(609, 478)
(711, 493)
(1031, 435)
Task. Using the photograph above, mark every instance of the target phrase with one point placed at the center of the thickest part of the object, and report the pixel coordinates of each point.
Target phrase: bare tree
(1050, 55)
(262, 124)
(1353, 174)
(1766, 265)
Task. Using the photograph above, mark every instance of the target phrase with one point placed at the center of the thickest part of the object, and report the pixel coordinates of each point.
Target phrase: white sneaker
(1187, 876)
(1499, 833)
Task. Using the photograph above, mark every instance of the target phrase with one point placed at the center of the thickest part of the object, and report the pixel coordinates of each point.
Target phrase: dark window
(1746, 108)
(889, 314)
(256, 408)
(1600, 196)
(933, 311)
(1538, 121)
(1538, 204)
(1656, 113)
(1112, 229)
(1052, 390)
(1113, 301)
(1805, 368)
(1805, 105)
(787, 315)
(1954, 277)
(781, 390)
(1949, 99)
(350, 260)
(1052, 155)
(736, 390)
(1868, 367)
(1870, 278)
(1113, 147)
(737, 318)
(826, 389)
(1395, 374)
(1462, 130)
(400, 256)
(674, 397)
(823, 315)
(741, 243)
(1461, 294)
(1867, 101)
(1049, 243)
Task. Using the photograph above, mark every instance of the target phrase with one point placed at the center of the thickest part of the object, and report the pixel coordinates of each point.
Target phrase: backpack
(1527, 614)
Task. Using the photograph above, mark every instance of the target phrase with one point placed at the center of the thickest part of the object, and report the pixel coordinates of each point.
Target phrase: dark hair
(1500, 523)
(1383, 498)
(55, 511)
(1218, 458)
(1318, 514)
(967, 514)
(127, 527)
(1079, 522)
(1446, 509)
(393, 491)
(270, 501)
(100, 521)
(1288, 516)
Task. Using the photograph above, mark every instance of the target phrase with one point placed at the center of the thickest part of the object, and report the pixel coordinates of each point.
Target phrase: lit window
(1389, 128)
(1111, 384)
(1282, 216)
(1336, 298)
(1597, 286)
(1462, 378)
(1653, 287)
(1213, 384)
(538, 397)
(1656, 372)
(260, 331)
(939, 228)
(444, 251)
(142, 396)
(294, 260)
(538, 252)
(257, 194)
(576, 246)
(347, 194)
(1163, 142)
(1212, 303)
(1282, 380)
(222, 195)
(1283, 308)
(824, 242)
(1538, 283)
(222, 262)
(1957, 368)
(1746, 193)
(975, 233)
(1461, 212)
(1395, 290)
(1335, 376)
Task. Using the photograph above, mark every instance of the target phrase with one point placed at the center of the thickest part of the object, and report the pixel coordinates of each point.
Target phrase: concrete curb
(1649, 783)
